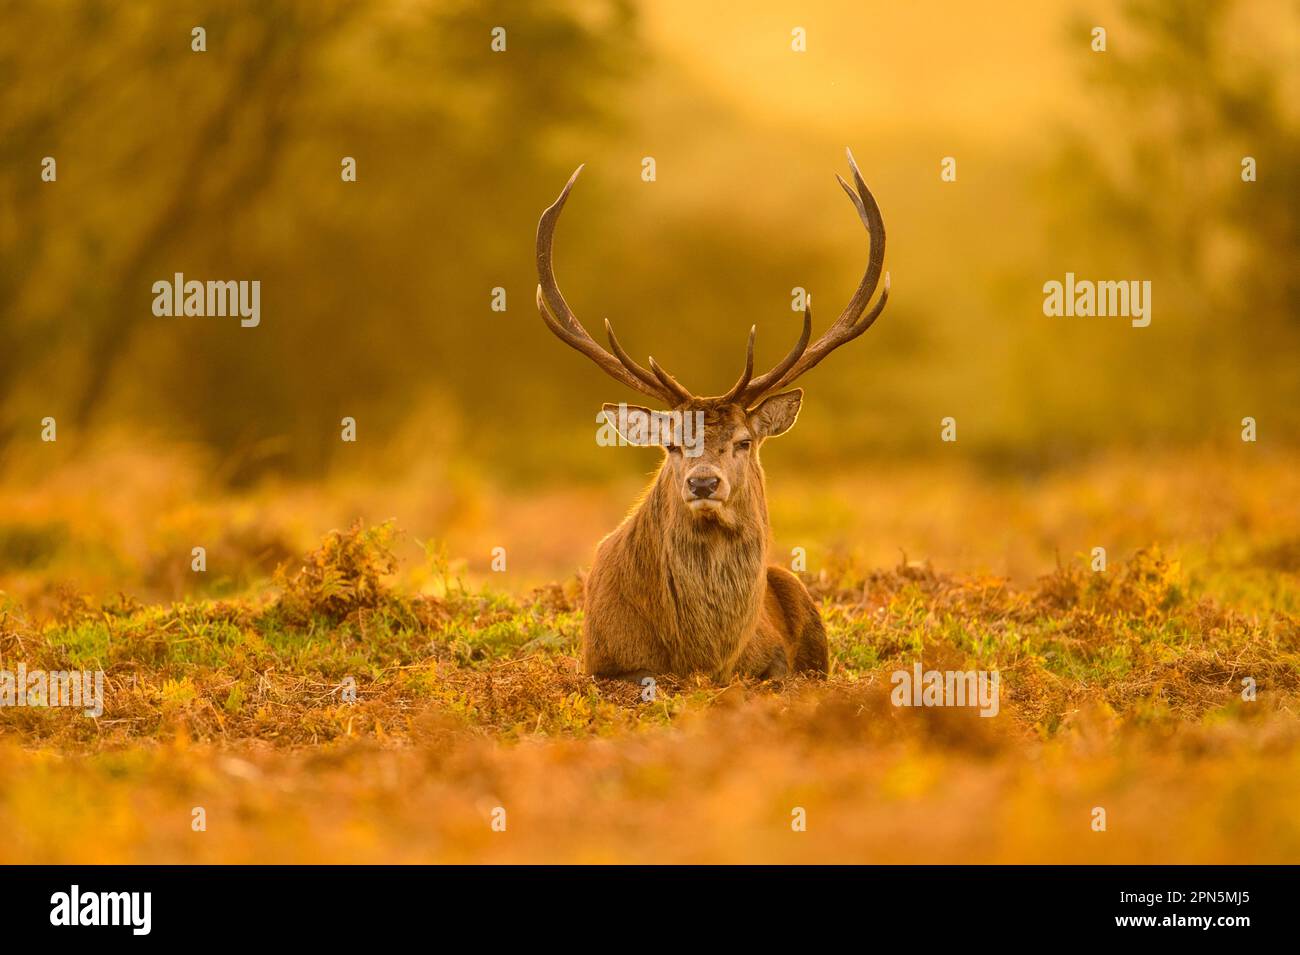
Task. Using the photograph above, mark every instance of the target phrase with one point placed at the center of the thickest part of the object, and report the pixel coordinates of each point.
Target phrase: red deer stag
(683, 585)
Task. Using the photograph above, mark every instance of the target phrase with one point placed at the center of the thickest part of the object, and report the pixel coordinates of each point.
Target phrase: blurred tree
(232, 120)
(225, 164)
(1199, 86)
(1188, 89)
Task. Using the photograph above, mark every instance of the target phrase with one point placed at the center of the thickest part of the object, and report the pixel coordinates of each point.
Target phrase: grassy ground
(1121, 690)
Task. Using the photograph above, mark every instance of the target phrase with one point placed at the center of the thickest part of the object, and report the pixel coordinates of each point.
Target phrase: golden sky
(980, 69)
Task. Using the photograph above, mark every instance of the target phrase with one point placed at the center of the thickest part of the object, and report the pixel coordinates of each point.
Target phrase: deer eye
(743, 445)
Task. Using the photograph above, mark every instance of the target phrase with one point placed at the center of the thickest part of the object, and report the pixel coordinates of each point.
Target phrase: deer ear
(638, 425)
(777, 414)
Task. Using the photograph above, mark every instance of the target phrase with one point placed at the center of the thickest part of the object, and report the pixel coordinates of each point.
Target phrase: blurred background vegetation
(376, 294)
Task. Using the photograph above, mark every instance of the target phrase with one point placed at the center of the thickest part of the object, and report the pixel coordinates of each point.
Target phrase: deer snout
(703, 485)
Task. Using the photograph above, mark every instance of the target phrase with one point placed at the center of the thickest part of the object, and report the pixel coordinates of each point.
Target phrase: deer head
(711, 443)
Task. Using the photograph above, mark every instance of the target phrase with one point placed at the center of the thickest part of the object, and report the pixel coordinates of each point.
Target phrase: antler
(657, 383)
(560, 319)
(851, 323)
(748, 387)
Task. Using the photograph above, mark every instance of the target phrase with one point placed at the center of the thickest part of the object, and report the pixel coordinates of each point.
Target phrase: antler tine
(674, 387)
(626, 359)
(739, 387)
(580, 341)
(851, 322)
(561, 320)
(765, 382)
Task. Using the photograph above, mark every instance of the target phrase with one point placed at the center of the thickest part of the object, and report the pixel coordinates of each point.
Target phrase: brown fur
(681, 588)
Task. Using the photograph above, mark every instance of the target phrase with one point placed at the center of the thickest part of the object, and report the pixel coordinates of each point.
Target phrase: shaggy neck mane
(709, 577)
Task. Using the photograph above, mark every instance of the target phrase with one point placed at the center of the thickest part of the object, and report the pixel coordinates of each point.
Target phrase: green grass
(1122, 688)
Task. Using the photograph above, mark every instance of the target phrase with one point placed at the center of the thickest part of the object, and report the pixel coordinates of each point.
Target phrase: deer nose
(702, 486)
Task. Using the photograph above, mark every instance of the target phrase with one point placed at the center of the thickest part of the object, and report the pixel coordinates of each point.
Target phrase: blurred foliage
(376, 294)
(1121, 689)
(1151, 187)
(1193, 107)
(226, 164)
